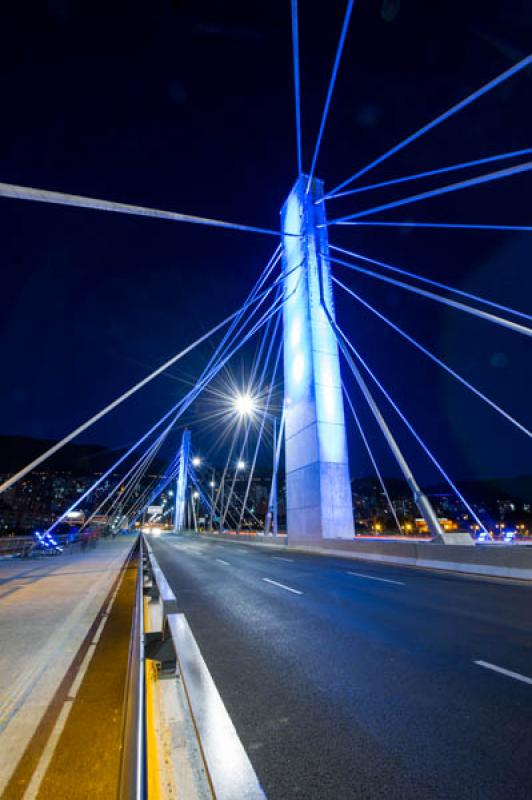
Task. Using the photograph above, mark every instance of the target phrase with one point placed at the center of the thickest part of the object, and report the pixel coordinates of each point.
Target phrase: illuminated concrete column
(181, 482)
(318, 489)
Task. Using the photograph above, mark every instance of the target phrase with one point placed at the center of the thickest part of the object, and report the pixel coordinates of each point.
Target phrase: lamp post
(195, 497)
(212, 485)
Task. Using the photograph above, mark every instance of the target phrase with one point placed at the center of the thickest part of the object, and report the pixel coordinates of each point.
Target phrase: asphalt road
(362, 685)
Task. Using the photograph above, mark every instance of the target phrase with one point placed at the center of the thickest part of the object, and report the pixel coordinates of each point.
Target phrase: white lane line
(374, 578)
(280, 558)
(242, 550)
(221, 561)
(282, 586)
(508, 672)
(47, 754)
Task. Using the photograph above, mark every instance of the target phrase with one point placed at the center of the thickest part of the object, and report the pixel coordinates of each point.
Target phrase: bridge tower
(318, 489)
(182, 482)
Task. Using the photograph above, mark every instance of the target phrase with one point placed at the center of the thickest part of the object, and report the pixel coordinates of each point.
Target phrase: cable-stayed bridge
(342, 678)
(291, 310)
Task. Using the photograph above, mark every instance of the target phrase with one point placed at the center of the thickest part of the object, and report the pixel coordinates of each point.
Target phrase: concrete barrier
(503, 561)
(500, 561)
(244, 538)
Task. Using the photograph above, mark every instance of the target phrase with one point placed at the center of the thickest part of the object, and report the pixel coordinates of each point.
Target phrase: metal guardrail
(230, 772)
(133, 764)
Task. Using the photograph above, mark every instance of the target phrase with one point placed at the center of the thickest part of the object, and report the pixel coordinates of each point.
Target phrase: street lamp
(245, 404)
(196, 461)
(271, 514)
(212, 484)
(195, 498)
(241, 464)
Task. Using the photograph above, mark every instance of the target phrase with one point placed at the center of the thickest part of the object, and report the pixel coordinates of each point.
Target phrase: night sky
(188, 106)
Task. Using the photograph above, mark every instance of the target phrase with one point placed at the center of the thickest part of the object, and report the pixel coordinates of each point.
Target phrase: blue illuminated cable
(137, 507)
(297, 89)
(444, 225)
(221, 485)
(96, 417)
(525, 62)
(476, 312)
(182, 404)
(372, 457)
(256, 362)
(130, 479)
(258, 391)
(264, 338)
(253, 298)
(439, 191)
(263, 320)
(170, 474)
(121, 500)
(264, 414)
(430, 282)
(150, 495)
(203, 496)
(15, 192)
(412, 430)
(249, 510)
(427, 174)
(434, 358)
(339, 49)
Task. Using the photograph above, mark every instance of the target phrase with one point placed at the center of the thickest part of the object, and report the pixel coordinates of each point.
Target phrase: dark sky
(188, 106)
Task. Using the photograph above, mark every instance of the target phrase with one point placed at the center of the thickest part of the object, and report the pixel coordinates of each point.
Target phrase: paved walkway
(51, 616)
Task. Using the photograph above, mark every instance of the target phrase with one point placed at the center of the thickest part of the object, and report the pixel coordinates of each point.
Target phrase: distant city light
(241, 465)
(212, 484)
(196, 461)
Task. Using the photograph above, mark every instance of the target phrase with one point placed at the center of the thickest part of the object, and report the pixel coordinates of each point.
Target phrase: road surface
(346, 679)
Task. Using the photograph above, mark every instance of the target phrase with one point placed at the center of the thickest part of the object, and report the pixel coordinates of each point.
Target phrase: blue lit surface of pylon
(181, 482)
(318, 489)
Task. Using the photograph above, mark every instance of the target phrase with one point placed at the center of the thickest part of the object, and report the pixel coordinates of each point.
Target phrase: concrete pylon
(318, 489)
(182, 482)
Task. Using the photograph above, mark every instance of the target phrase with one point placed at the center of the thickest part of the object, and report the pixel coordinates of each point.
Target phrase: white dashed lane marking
(374, 578)
(508, 672)
(282, 586)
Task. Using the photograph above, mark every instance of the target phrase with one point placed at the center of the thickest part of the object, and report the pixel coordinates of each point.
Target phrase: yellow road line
(152, 746)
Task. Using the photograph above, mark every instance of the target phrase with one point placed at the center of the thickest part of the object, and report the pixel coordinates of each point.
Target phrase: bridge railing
(133, 765)
(228, 767)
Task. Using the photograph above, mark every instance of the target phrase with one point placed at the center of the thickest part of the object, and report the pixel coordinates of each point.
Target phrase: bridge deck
(54, 678)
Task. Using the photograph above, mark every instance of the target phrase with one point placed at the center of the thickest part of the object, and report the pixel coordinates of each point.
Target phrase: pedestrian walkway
(58, 656)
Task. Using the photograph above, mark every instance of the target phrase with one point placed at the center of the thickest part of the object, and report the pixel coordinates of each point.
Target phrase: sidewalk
(52, 612)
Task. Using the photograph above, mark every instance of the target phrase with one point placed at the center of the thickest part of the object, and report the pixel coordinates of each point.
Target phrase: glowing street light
(245, 405)
(241, 465)
(195, 495)
(196, 461)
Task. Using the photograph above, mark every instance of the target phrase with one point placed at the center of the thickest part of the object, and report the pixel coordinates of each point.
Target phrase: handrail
(230, 772)
(133, 764)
